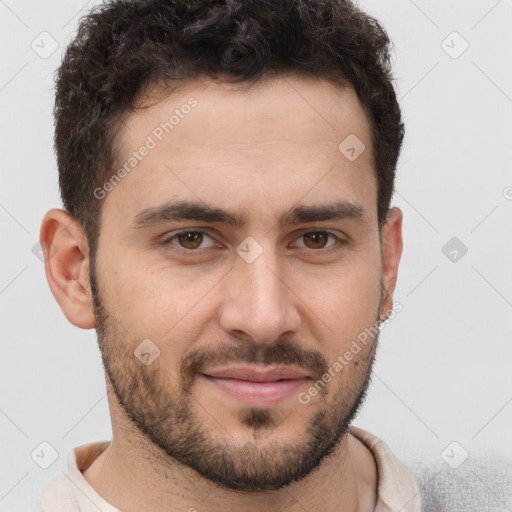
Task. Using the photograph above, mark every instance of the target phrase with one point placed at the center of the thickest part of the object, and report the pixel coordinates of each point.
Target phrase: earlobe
(392, 245)
(67, 266)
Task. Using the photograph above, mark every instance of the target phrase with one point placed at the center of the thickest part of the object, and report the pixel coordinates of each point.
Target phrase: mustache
(281, 352)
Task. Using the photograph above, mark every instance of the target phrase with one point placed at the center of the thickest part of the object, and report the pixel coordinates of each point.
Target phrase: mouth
(257, 386)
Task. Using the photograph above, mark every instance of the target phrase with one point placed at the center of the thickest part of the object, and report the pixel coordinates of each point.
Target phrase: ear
(66, 254)
(391, 244)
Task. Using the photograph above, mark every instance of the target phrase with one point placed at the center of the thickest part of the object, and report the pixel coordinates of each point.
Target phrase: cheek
(157, 301)
(343, 302)
(347, 330)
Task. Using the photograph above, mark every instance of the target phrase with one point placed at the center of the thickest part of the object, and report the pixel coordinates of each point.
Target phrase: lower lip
(261, 394)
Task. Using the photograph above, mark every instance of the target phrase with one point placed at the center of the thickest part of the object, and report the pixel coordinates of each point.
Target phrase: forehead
(232, 143)
(307, 109)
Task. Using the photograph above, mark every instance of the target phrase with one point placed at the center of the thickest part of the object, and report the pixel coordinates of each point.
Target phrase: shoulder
(478, 484)
(396, 487)
(58, 496)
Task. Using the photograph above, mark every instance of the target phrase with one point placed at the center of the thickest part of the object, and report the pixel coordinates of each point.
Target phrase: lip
(257, 388)
(254, 374)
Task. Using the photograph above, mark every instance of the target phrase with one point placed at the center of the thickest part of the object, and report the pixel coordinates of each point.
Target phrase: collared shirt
(71, 492)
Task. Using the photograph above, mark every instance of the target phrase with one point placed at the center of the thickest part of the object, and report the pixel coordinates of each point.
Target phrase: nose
(258, 302)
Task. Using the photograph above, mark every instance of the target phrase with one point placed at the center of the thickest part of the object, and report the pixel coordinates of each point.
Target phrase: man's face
(294, 294)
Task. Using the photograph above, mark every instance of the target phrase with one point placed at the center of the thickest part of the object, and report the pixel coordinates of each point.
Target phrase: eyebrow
(189, 210)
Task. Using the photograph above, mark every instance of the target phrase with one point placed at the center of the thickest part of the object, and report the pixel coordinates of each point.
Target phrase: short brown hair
(124, 46)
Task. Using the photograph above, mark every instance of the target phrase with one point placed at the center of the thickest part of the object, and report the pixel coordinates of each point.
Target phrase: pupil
(191, 240)
(317, 239)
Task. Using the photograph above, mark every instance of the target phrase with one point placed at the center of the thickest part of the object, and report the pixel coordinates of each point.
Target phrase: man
(226, 169)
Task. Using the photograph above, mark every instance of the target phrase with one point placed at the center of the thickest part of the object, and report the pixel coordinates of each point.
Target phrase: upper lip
(255, 374)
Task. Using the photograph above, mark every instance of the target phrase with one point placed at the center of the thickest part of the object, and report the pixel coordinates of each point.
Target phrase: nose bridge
(257, 300)
(264, 288)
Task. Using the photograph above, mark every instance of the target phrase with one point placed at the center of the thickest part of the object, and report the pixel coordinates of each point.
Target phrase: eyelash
(341, 242)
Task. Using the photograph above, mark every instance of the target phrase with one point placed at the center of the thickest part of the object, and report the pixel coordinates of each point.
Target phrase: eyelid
(341, 240)
(165, 241)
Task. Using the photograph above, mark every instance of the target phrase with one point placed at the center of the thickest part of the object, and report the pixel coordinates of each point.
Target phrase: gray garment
(475, 486)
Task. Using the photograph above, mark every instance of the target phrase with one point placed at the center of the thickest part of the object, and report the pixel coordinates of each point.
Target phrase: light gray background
(443, 372)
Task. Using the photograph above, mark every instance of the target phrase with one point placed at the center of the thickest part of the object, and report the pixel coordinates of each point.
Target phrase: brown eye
(190, 239)
(189, 243)
(316, 239)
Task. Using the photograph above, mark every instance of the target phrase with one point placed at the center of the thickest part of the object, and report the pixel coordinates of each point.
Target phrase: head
(226, 169)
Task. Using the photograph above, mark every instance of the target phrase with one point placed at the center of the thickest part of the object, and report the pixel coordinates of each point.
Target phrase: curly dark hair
(122, 47)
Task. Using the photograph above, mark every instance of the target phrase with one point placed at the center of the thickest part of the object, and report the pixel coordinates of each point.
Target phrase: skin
(180, 443)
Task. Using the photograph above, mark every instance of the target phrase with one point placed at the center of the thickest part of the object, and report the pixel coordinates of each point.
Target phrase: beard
(164, 412)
